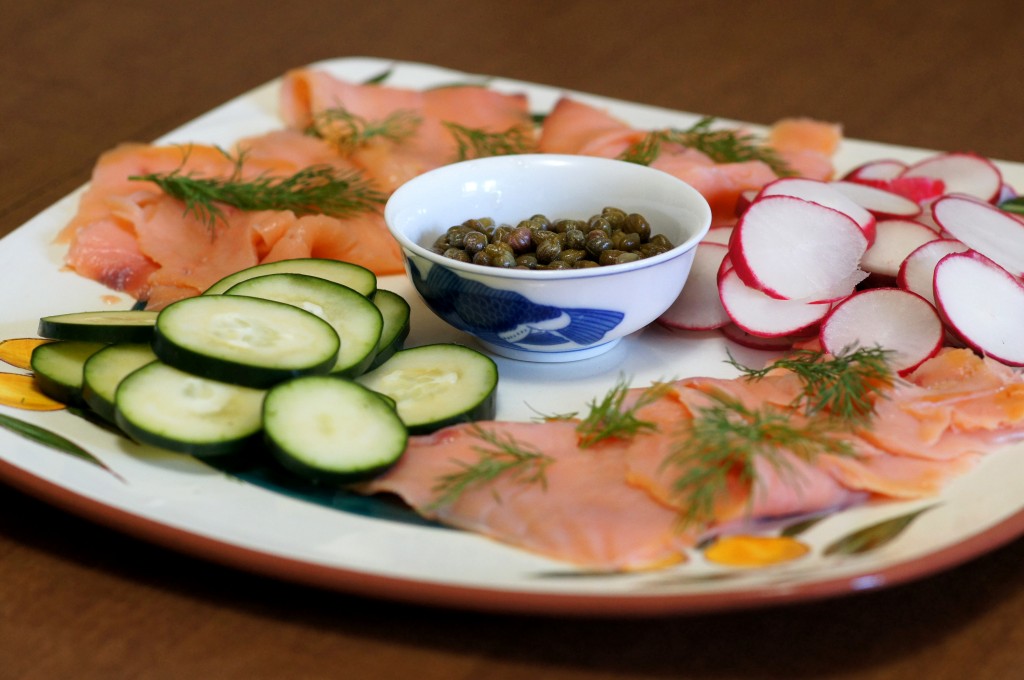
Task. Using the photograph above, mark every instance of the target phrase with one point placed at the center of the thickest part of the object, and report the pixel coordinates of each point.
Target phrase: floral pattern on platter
(510, 319)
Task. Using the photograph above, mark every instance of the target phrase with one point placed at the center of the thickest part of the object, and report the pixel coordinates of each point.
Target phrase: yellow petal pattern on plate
(20, 391)
(18, 351)
(755, 551)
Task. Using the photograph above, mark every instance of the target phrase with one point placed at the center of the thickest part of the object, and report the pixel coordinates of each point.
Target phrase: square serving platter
(333, 542)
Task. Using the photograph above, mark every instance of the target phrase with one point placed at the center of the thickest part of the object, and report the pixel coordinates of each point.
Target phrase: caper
(501, 234)
(484, 224)
(481, 258)
(612, 256)
(521, 239)
(558, 264)
(625, 240)
(615, 216)
(527, 260)
(456, 236)
(599, 222)
(575, 239)
(597, 242)
(474, 242)
(540, 220)
(505, 260)
(548, 250)
(650, 250)
(585, 264)
(662, 241)
(637, 224)
(572, 256)
(456, 254)
(495, 250)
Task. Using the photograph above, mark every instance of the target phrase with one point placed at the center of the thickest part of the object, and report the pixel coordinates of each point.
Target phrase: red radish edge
(881, 203)
(895, 240)
(794, 249)
(992, 232)
(962, 173)
(757, 314)
(982, 304)
(891, 318)
(823, 193)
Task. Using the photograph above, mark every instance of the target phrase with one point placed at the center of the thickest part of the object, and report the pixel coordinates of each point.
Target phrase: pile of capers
(611, 237)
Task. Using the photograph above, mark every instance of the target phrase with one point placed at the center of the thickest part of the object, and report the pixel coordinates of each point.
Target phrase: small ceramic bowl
(540, 315)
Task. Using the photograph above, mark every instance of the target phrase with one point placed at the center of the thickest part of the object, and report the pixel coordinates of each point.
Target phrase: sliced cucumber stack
(358, 278)
(58, 368)
(162, 406)
(437, 385)
(396, 313)
(109, 326)
(244, 340)
(105, 370)
(355, 319)
(332, 429)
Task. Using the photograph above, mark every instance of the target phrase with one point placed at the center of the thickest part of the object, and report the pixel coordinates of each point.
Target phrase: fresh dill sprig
(503, 455)
(721, 146)
(608, 418)
(318, 189)
(843, 386)
(477, 143)
(645, 150)
(348, 131)
(721, 444)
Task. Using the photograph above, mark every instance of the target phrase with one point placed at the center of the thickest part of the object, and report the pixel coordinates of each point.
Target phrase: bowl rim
(679, 250)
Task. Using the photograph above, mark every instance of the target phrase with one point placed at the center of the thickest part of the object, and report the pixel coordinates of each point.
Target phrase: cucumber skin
(485, 410)
(69, 395)
(227, 371)
(222, 449)
(398, 342)
(108, 334)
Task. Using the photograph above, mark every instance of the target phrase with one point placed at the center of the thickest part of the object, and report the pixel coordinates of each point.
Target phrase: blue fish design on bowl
(509, 322)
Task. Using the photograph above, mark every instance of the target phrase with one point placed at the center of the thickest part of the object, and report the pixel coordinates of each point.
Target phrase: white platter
(179, 502)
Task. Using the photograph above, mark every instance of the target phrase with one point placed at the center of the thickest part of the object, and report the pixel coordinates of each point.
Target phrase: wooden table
(80, 601)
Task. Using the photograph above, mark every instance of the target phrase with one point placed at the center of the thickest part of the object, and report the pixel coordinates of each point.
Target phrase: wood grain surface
(78, 600)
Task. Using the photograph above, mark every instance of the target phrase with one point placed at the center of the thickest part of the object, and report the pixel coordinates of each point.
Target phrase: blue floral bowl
(546, 315)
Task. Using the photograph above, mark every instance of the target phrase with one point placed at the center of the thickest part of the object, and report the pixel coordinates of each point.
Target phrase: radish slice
(718, 235)
(824, 194)
(744, 200)
(879, 202)
(982, 304)
(742, 338)
(883, 169)
(758, 314)
(918, 269)
(962, 173)
(894, 241)
(994, 233)
(891, 318)
(698, 307)
(794, 249)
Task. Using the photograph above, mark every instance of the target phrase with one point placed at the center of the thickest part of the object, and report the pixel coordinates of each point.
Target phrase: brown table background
(81, 601)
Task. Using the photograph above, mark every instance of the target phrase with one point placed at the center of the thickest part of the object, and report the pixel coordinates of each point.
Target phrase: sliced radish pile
(891, 318)
(962, 173)
(983, 304)
(918, 269)
(794, 249)
(879, 202)
(992, 232)
(824, 194)
(882, 169)
(894, 241)
(698, 306)
(758, 314)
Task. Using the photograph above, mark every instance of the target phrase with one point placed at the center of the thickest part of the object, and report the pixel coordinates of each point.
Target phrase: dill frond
(347, 131)
(477, 143)
(721, 444)
(844, 386)
(608, 418)
(645, 151)
(502, 455)
(319, 189)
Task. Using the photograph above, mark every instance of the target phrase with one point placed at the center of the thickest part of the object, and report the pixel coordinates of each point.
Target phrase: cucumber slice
(105, 370)
(354, 276)
(162, 406)
(244, 340)
(355, 319)
(109, 326)
(58, 368)
(332, 429)
(395, 310)
(437, 385)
